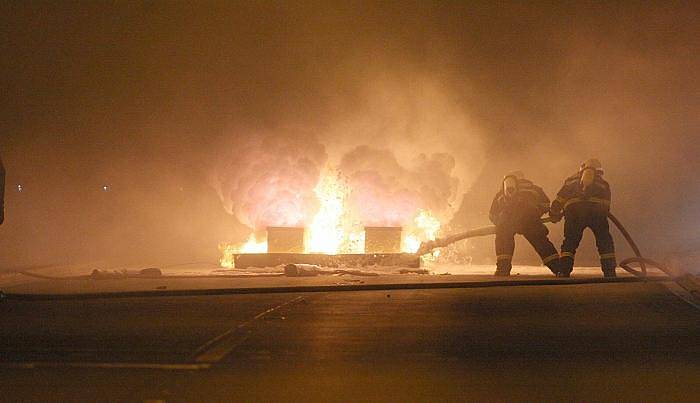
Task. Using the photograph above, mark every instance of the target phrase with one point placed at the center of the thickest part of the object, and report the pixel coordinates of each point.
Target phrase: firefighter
(584, 202)
(517, 209)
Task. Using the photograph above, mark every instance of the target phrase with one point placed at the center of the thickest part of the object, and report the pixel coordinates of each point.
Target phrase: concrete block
(285, 239)
(382, 239)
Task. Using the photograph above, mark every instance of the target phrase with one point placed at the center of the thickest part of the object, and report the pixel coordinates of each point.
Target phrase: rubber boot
(609, 269)
(566, 266)
(503, 268)
(609, 273)
(555, 267)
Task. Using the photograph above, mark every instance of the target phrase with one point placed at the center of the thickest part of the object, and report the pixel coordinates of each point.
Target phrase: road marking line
(104, 365)
(220, 346)
(682, 293)
(210, 352)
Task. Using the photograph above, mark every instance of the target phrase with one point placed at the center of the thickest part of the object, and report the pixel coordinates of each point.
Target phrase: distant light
(105, 188)
(20, 188)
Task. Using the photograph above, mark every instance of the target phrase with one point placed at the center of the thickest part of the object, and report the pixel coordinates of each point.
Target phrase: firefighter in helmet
(517, 209)
(584, 202)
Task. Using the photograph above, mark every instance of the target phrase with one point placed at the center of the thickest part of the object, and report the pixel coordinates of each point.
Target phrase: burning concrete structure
(365, 200)
(382, 239)
(293, 240)
(285, 240)
(285, 245)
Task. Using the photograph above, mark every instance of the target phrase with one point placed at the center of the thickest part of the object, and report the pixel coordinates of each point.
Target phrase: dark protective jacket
(2, 192)
(526, 206)
(572, 198)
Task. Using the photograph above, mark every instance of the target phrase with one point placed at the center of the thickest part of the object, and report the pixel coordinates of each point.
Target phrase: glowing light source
(326, 233)
(229, 250)
(335, 230)
(425, 227)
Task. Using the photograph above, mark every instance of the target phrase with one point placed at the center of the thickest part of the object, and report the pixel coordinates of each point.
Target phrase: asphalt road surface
(627, 341)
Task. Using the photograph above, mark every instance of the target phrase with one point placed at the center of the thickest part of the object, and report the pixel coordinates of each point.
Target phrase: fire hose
(626, 264)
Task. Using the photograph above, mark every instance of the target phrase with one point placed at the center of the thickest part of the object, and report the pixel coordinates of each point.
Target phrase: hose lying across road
(321, 288)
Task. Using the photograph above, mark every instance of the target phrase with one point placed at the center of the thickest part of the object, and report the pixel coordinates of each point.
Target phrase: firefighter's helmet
(510, 182)
(592, 163)
(588, 170)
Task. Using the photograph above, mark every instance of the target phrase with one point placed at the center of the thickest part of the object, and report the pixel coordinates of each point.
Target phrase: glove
(555, 217)
(555, 212)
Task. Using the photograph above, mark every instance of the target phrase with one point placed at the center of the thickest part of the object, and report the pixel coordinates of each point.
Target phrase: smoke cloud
(385, 193)
(144, 98)
(269, 180)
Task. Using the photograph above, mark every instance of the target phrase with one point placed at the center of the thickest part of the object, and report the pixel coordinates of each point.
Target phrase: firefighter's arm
(495, 211)
(542, 201)
(556, 210)
(606, 191)
(602, 196)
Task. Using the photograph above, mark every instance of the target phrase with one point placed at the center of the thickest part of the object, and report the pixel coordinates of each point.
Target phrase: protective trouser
(573, 232)
(536, 233)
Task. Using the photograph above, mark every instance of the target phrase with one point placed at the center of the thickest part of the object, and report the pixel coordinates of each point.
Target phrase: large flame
(425, 227)
(332, 228)
(335, 229)
(229, 250)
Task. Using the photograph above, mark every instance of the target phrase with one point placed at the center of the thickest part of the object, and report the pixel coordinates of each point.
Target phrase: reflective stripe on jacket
(528, 197)
(572, 192)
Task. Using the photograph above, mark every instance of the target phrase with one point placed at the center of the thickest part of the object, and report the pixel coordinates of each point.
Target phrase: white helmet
(518, 175)
(588, 171)
(510, 182)
(592, 163)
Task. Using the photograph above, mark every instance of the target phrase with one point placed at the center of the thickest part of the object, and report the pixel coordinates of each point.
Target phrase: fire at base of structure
(379, 245)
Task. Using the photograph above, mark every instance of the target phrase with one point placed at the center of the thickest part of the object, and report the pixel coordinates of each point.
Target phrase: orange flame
(335, 230)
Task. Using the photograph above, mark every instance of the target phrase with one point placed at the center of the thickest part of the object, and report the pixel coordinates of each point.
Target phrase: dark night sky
(140, 95)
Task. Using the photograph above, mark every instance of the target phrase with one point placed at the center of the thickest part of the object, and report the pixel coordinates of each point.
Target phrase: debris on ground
(151, 272)
(98, 274)
(301, 270)
(414, 271)
(310, 270)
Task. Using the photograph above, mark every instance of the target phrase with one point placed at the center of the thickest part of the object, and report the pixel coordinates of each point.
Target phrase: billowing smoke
(498, 86)
(406, 147)
(389, 194)
(268, 180)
